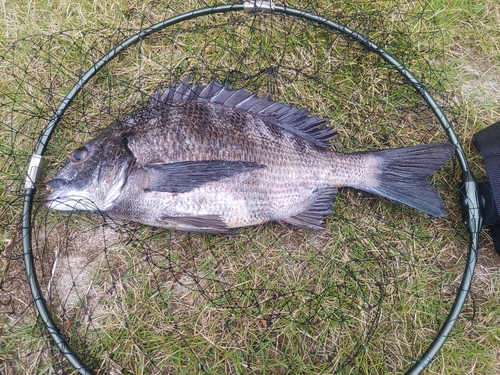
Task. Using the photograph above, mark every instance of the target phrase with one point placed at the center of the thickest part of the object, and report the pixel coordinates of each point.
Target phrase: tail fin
(403, 175)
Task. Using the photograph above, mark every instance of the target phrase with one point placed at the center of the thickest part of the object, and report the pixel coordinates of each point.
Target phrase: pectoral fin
(185, 176)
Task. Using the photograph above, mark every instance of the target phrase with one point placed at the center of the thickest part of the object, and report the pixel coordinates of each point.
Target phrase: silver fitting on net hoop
(33, 172)
(258, 6)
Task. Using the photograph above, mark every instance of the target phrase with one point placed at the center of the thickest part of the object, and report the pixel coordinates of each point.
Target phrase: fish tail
(403, 172)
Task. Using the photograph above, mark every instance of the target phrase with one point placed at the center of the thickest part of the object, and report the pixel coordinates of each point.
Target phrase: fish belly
(275, 193)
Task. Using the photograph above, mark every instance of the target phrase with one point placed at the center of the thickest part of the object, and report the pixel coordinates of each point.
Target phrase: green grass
(367, 296)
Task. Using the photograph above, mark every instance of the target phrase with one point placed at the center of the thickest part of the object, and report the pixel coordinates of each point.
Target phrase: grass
(366, 296)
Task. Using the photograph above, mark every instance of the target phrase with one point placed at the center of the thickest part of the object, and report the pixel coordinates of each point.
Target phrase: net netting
(367, 295)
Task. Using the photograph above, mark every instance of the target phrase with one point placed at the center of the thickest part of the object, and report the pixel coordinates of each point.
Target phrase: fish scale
(210, 159)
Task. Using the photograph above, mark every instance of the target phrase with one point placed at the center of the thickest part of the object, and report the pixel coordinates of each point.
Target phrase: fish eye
(79, 154)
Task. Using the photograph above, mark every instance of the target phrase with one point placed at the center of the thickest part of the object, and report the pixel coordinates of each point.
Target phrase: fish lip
(53, 197)
(57, 183)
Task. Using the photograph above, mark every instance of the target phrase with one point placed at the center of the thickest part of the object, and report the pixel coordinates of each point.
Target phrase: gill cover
(114, 171)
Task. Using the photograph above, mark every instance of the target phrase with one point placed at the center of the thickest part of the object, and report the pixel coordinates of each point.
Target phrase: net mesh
(367, 295)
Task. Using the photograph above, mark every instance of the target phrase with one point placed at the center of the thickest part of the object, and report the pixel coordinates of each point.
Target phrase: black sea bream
(210, 158)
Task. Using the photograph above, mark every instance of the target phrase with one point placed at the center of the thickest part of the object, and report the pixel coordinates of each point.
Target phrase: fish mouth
(61, 201)
(64, 198)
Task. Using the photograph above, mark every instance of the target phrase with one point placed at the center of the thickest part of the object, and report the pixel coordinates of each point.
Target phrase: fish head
(93, 177)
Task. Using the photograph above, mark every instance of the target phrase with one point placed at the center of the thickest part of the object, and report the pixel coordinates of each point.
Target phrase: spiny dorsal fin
(285, 116)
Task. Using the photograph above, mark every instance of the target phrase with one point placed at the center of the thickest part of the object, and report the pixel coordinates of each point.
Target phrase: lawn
(365, 296)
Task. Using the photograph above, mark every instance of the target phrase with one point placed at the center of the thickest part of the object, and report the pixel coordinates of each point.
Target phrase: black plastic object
(469, 189)
(489, 207)
(488, 143)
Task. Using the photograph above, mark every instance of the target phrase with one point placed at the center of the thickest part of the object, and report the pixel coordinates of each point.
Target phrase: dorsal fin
(285, 116)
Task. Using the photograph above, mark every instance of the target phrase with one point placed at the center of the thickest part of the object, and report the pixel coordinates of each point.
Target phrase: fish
(211, 159)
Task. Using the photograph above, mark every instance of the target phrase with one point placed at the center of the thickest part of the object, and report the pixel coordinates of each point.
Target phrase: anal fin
(313, 216)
